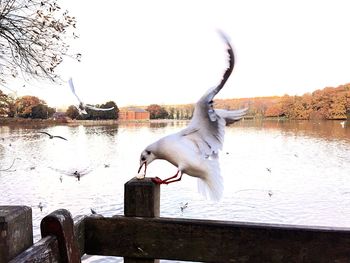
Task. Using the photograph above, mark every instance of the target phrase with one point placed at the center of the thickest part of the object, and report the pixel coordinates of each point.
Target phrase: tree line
(172, 112)
(328, 103)
(31, 107)
(73, 113)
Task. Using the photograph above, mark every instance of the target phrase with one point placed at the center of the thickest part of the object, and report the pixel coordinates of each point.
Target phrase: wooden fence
(142, 236)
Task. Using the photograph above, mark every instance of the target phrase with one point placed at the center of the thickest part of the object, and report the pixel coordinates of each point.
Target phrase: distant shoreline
(24, 121)
(44, 122)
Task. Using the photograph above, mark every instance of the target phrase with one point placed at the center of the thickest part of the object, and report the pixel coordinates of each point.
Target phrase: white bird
(194, 150)
(82, 106)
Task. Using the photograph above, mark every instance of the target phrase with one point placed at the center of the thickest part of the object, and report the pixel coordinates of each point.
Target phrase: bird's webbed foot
(157, 180)
(169, 180)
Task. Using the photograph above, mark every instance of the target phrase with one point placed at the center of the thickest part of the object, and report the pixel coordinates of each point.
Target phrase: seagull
(41, 206)
(77, 174)
(93, 211)
(82, 106)
(9, 168)
(270, 193)
(183, 207)
(194, 150)
(53, 136)
(342, 124)
(268, 169)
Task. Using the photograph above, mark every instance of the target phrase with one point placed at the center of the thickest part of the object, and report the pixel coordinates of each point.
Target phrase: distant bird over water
(8, 169)
(82, 106)
(75, 173)
(93, 211)
(183, 207)
(53, 136)
(194, 150)
(40, 206)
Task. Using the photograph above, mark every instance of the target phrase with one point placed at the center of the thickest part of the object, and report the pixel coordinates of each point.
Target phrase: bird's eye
(148, 152)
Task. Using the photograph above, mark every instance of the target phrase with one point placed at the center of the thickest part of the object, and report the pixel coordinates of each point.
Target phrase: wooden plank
(44, 251)
(214, 241)
(141, 198)
(79, 232)
(16, 231)
(60, 224)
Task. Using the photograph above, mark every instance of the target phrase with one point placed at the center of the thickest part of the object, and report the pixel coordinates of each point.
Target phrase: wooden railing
(142, 236)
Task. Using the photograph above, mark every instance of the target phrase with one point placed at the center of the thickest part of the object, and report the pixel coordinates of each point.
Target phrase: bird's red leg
(165, 180)
(175, 180)
(157, 180)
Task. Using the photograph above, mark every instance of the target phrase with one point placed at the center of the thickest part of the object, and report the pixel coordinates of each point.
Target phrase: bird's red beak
(144, 163)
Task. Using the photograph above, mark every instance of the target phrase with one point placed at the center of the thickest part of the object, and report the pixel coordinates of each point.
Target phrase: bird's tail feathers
(211, 186)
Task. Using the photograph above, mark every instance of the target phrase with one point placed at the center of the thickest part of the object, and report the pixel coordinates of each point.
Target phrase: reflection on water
(293, 172)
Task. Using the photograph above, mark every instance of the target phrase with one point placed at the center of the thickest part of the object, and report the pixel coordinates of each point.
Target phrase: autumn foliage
(157, 112)
(328, 103)
(32, 107)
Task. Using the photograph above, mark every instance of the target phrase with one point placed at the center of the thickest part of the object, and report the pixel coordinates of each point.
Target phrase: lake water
(289, 172)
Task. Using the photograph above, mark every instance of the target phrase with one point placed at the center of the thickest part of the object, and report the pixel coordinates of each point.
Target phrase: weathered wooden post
(60, 224)
(16, 231)
(141, 198)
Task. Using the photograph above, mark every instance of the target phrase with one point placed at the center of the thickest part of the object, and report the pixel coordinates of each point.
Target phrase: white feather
(211, 186)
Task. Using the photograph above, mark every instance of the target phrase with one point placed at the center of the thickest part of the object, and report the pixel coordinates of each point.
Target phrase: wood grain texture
(79, 232)
(16, 231)
(214, 241)
(60, 224)
(141, 198)
(44, 251)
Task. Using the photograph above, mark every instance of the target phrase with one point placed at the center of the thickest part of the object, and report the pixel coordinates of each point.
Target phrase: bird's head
(146, 157)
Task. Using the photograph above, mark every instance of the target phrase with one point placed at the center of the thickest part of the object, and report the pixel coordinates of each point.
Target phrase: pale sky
(168, 52)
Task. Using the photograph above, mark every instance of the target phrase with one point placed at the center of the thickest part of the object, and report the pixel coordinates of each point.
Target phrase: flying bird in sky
(53, 136)
(194, 150)
(82, 106)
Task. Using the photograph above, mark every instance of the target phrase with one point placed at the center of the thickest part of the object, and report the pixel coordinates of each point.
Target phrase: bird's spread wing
(100, 109)
(61, 171)
(60, 137)
(45, 133)
(70, 82)
(81, 111)
(206, 128)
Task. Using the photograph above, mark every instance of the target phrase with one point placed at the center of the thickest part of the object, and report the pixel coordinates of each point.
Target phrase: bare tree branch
(33, 38)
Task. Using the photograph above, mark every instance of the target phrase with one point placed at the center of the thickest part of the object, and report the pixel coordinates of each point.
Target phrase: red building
(133, 113)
